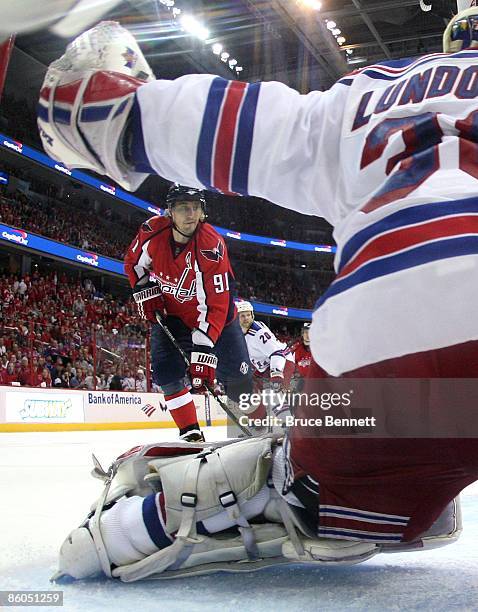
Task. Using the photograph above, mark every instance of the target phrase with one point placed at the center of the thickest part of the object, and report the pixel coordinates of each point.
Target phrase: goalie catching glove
(86, 99)
(149, 300)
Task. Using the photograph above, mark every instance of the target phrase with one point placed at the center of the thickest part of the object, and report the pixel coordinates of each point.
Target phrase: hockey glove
(86, 99)
(149, 299)
(277, 382)
(202, 369)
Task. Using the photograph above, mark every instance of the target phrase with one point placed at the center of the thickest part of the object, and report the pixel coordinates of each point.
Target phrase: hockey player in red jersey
(302, 355)
(178, 266)
(388, 155)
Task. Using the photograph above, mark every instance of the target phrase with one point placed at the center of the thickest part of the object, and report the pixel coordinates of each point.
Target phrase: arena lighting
(336, 32)
(341, 40)
(349, 51)
(191, 25)
(357, 60)
(239, 68)
(331, 25)
(312, 4)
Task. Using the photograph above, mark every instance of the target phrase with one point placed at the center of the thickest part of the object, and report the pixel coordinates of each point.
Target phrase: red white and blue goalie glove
(202, 369)
(86, 99)
(149, 300)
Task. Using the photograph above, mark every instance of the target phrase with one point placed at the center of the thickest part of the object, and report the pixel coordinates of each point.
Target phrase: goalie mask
(462, 32)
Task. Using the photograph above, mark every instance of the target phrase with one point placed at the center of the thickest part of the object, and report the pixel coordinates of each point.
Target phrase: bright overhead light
(176, 12)
(336, 32)
(232, 62)
(239, 68)
(216, 48)
(192, 26)
(341, 40)
(331, 25)
(224, 56)
(313, 4)
(349, 51)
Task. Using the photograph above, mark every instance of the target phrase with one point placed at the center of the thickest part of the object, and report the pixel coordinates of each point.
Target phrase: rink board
(25, 409)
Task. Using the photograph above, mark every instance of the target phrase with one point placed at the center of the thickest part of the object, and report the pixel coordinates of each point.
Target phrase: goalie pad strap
(187, 528)
(228, 500)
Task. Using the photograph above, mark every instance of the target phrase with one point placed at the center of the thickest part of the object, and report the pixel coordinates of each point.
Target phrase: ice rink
(46, 490)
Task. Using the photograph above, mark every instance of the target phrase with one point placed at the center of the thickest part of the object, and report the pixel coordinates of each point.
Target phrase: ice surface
(46, 490)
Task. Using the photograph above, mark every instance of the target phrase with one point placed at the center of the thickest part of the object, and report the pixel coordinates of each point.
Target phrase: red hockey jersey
(302, 357)
(195, 284)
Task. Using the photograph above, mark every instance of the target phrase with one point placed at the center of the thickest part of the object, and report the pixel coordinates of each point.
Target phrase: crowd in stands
(270, 278)
(54, 330)
(60, 331)
(85, 230)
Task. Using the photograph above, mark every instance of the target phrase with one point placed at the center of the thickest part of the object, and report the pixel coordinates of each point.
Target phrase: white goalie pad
(199, 481)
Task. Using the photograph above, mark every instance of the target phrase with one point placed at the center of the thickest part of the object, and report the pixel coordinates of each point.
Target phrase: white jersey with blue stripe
(389, 156)
(262, 344)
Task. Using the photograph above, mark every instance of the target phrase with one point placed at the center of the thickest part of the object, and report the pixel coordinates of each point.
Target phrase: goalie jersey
(195, 283)
(388, 155)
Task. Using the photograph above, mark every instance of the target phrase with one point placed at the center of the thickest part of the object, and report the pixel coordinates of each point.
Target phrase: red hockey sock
(182, 408)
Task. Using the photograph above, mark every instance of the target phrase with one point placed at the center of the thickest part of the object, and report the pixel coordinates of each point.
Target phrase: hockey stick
(207, 409)
(176, 345)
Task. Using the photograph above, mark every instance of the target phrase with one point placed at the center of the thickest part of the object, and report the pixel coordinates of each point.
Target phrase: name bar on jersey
(116, 192)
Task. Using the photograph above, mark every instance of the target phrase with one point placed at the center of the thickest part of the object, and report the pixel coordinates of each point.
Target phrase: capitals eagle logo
(214, 254)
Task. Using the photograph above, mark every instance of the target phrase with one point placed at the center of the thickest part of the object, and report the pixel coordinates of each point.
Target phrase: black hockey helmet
(180, 193)
(306, 325)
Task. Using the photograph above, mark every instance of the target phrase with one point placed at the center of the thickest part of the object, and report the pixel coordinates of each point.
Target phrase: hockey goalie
(177, 509)
(389, 156)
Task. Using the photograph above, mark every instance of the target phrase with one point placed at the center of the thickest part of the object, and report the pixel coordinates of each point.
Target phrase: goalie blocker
(176, 509)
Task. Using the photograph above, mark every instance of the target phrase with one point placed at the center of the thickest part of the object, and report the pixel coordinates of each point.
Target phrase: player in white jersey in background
(389, 155)
(271, 358)
(272, 361)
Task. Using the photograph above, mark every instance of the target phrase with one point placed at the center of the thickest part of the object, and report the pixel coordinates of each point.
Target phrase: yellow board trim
(20, 427)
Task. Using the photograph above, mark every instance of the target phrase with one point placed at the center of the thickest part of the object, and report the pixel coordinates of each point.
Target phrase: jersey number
(221, 282)
(265, 337)
(421, 134)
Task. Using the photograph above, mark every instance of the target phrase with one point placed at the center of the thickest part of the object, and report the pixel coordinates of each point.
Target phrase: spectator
(91, 381)
(140, 384)
(116, 383)
(129, 383)
(9, 375)
(44, 379)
